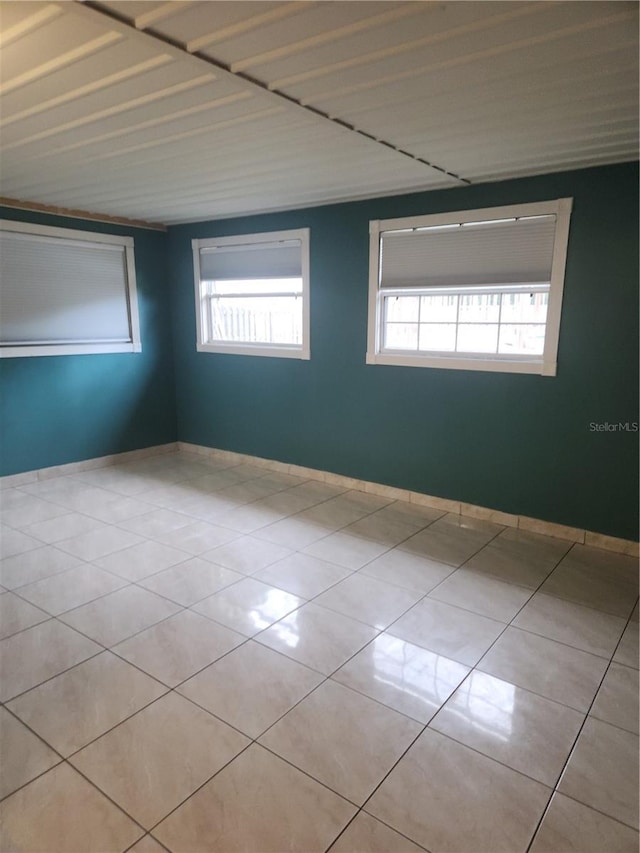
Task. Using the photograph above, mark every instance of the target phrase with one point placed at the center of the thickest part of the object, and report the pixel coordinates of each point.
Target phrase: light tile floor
(199, 656)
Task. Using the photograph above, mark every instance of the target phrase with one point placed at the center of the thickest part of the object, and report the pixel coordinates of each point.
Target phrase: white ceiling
(175, 111)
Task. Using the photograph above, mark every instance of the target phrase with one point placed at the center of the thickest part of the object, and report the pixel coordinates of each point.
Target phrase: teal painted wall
(59, 409)
(518, 443)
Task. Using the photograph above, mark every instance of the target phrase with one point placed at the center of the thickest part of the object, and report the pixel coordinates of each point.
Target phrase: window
(473, 290)
(252, 294)
(66, 292)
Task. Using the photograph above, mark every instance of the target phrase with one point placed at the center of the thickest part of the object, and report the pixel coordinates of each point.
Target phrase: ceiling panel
(402, 42)
(199, 21)
(244, 52)
(514, 39)
(172, 111)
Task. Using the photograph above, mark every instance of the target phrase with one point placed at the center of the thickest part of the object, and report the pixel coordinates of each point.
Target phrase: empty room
(319, 426)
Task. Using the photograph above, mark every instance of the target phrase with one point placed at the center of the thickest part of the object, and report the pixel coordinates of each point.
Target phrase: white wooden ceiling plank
(317, 159)
(247, 149)
(61, 86)
(571, 117)
(535, 146)
(538, 150)
(333, 176)
(524, 96)
(199, 19)
(239, 52)
(152, 107)
(452, 30)
(257, 204)
(338, 188)
(287, 197)
(152, 17)
(431, 23)
(552, 161)
(228, 142)
(14, 15)
(515, 50)
(288, 104)
(179, 137)
(135, 76)
(53, 45)
(500, 74)
(131, 9)
(505, 97)
(178, 125)
(379, 24)
(581, 162)
(271, 14)
(19, 19)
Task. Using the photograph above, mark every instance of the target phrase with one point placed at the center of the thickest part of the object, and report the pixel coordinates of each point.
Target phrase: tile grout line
(326, 678)
(574, 747)
(427, 725)
(174, 689)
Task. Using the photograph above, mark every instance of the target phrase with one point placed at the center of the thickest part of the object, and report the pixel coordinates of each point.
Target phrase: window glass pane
(439, 309)
(402, 309)
(523, 339)
(479, 308)
(438, 336)
(524, 307)
(401, 336)
(259, 319)
(478, 337)
(257, 285)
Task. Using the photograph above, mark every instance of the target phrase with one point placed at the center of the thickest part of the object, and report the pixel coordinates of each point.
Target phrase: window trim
(545, 365)
(302, 352)
(88, 237)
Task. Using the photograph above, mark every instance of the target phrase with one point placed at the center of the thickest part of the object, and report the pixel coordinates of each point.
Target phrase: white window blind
(63, 294)
(251, 261)
(515, 251)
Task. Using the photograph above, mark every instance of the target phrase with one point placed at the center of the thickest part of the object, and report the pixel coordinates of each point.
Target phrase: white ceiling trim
(160, 13)
(90, 88)
(67, 58)
(328, 36)
(525, 10)
(279, 13)
(48, 13)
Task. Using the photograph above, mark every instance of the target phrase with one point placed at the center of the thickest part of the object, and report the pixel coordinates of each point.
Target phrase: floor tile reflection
(403, 676)
(241, 659)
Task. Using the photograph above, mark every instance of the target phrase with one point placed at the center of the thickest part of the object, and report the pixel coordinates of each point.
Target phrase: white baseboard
(523, 522)
(85, 465)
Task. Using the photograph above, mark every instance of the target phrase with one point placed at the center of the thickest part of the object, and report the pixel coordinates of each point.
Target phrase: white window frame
(302, 351)
(544, 365)
(89, 238)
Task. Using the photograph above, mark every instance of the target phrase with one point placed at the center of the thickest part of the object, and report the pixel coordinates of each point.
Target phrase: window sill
(493, 365)
(258, 350)
(66, 349)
